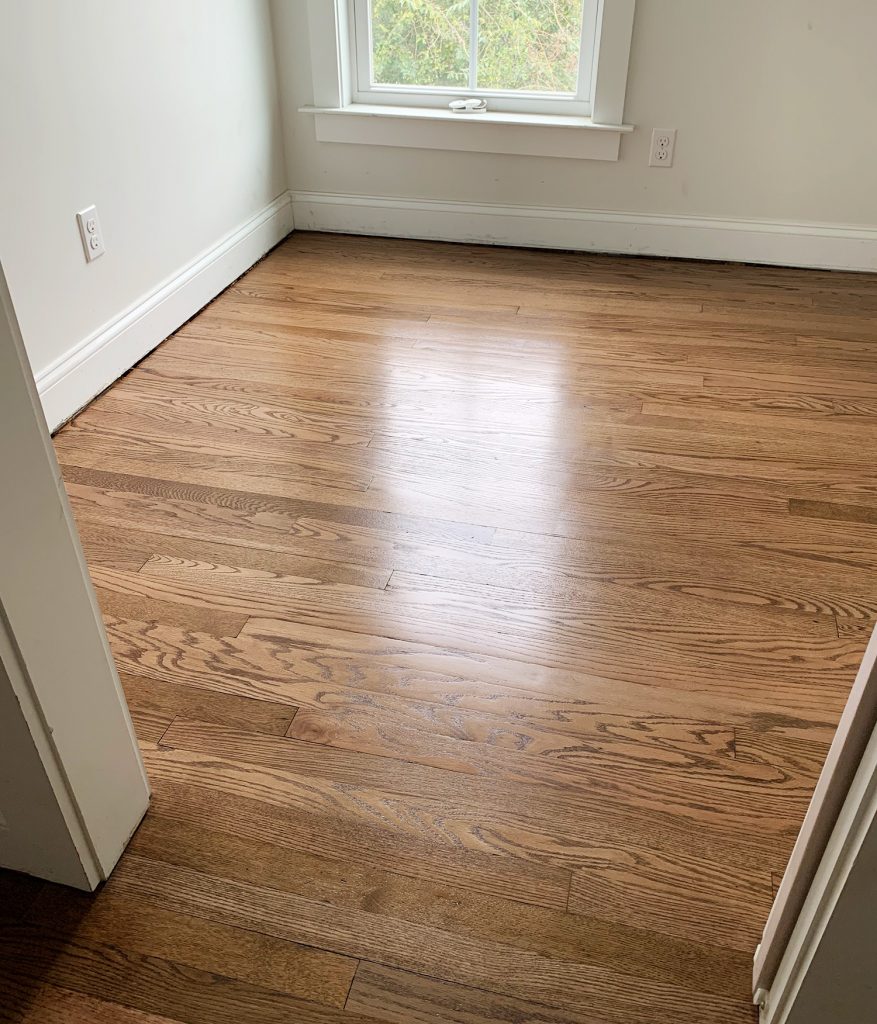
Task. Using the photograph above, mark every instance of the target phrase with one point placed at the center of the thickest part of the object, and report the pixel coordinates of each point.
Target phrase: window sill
(490, 132)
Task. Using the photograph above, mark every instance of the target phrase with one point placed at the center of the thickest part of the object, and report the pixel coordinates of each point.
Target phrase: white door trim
(825, 853)
(823, 819)
(63, 706)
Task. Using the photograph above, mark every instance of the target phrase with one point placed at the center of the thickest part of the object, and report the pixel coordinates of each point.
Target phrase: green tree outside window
(523, 45)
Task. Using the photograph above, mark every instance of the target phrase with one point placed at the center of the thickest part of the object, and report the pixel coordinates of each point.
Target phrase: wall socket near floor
(663, 144)
(90, 233)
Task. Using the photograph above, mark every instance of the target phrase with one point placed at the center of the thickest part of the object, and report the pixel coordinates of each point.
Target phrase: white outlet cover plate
(90, 233)
(663, 145)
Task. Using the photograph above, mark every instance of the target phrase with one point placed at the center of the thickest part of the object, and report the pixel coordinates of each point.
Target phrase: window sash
(508, 100)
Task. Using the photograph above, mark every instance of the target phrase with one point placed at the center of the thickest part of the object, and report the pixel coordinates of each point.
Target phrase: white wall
(773, 102)
(163, 113)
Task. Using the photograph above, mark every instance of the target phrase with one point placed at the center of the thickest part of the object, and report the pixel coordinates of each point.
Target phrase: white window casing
(501, 101)
(586, 126)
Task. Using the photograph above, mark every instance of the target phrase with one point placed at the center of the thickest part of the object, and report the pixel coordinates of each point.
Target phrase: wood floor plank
(284, 662)
(718, 790)
(53, 1005)
(44, 954)
(598, 603)
(391, 728)
(228, 461)
(276, 563)
(807, 408)
(732, 381)
(796, 755)
(856, 629)
(406, 478)
(280, 513)
(739, 472)
(358, 886)
(321, 840)
(686, 438)
(238, 418)
(435, 704)
(558, 295)
(834, 511)
(153, 930)
(105, 547)
(426, 949)
(280, 289)
(270, 346)
(834, 554)
(444, 295)
(417, 393)
(406, 998)
(516, 819)
(337, 715)
(115, 603)
(532, 631)
(665, 902)
(162, 700)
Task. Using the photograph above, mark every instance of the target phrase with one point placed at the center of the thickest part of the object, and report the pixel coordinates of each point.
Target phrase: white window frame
(341, 115)
(504, 100)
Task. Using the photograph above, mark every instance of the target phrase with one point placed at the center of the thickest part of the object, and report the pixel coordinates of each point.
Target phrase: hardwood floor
(485, 616)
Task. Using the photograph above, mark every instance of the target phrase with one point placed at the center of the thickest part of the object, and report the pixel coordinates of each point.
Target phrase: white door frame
(814, 915)
(72, 784)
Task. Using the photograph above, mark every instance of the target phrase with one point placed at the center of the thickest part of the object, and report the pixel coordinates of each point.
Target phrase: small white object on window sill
(468, 106)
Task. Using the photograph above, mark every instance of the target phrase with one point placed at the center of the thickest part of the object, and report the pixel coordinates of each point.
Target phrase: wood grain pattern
(359, 886)
(117, 603)
(548, 830)
(485, 615)
(860, 629)
(53, 1005)
(36, 955)
(665, 903)
(406, 998)
(488, 621)
(115, 919)
(529, 788)
(155, 703)
(337, 716)
(304, 833)
(292, 662)
(423, 948)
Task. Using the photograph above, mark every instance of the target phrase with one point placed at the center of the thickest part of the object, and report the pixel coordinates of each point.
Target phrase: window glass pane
(530, 45)
(420, 42)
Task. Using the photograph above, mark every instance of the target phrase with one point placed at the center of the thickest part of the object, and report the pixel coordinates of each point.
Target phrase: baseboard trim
(823, 246)
(93, 364)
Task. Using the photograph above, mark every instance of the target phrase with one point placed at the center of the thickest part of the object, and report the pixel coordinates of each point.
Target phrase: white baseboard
(69, 383)
(826, 246)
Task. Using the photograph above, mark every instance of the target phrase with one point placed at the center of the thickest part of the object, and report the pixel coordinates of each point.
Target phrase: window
(519, 55)
(552, 72)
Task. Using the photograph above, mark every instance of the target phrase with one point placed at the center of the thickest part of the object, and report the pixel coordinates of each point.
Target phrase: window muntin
(521, 55)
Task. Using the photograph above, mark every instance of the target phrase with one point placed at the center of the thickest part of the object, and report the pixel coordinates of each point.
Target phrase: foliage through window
(532, 48)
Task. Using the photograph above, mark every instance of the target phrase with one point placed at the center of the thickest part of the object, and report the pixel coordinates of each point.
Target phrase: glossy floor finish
(485, 615)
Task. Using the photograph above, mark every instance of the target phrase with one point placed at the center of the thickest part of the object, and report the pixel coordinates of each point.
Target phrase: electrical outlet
(663, 144)
(90, 233)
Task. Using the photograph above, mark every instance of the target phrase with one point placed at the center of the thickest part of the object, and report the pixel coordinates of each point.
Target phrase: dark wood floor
(485, 616)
